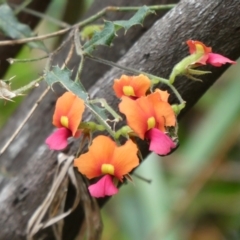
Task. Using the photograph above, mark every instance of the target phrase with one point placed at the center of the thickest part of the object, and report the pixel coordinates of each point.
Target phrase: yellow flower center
(128, 91)
(151, 122)
(107, 169)
(199, 48)
(64, 121)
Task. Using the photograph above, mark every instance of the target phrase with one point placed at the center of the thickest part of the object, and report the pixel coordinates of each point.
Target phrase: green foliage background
(195, 192)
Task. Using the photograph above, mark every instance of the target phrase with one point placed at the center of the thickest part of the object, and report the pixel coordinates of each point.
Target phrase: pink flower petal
(104, 187)
(218, 60)
(58, 139)
(160, 143)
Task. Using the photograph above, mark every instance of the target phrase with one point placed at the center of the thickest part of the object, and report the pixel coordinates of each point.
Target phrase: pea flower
(131, 86)
(208, 57)
(106, 159)
(67, 117)
(148, 117)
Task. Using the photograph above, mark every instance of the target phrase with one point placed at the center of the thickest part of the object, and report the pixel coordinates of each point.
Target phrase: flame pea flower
(106, 159)
(67, 117)
(131, 86)
(208, 57)
(148, 116)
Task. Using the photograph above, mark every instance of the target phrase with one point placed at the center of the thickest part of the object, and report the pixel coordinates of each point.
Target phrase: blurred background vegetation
(195, 192)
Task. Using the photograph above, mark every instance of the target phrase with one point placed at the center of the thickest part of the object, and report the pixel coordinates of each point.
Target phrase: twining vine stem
(155, 78)
(82, 23)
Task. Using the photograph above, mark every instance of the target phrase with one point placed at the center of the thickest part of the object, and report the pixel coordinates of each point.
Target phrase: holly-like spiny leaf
(109, 31)
(136, 19)
(104, 37)
(11, 27)
(63, 76)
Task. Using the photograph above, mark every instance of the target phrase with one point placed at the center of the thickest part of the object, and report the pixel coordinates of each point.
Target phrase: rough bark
(10, 51)
(30, 163)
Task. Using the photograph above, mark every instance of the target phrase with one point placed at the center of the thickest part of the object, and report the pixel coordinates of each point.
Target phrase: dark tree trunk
(31, 164)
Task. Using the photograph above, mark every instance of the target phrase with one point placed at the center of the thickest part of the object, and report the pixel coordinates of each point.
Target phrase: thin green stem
(104, 104)
(153, 7)
(112, 64)
(21, 6)
(80, 24)
(54, 34)
(91, 126)
(100, 119)
(80, 68)
(28, 86)
(121, 9)
(14, 60)
(78, 47)
(92, 18)
(134, 71)
(167, 82)
(177, 94)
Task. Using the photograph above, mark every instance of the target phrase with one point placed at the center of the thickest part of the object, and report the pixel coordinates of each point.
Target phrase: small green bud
(88, 31)
(178, 107)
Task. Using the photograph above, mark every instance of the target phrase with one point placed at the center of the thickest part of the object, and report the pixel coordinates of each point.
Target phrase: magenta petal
(218, 60)
(160, 143)
(58, 139)
(104, 187)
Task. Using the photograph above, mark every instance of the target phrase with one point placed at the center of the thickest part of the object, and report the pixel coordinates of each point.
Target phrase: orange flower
(106, 158)
(197, 46)
(207, 56)
(147, 112)
(68, 112)
(67, 117)
(131, 86)
(148, 116)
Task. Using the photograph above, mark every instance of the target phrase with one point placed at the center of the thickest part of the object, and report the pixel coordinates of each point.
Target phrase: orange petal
(119, 84)
(140, 84)
(146, 106)
(164, 114)
(125, 159)
(136, 117)
(164, 95)
(100, 152)
(62, 107)
(197, 46)
(75, 114)
(70, 106)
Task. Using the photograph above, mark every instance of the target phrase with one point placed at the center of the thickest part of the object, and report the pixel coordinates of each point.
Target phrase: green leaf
(137, 18)
(88, 31)
(104, 37)
(11, 27)
(63, 76)
(109, 31)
